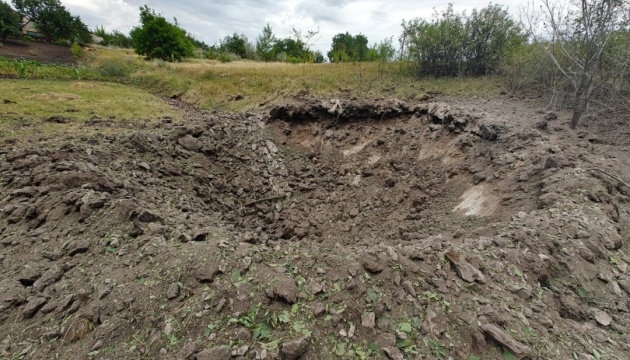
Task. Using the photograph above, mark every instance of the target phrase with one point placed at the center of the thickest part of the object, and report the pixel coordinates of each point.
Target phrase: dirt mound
(324, 229)
(38, 51)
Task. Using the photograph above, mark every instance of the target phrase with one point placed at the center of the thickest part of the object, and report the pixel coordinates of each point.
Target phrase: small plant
(33, 52)
(76, 50)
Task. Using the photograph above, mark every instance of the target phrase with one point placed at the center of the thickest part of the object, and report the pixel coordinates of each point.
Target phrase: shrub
(159, 39)
(76, 50)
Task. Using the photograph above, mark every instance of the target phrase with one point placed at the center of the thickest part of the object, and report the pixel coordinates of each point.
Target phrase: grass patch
(43, 107)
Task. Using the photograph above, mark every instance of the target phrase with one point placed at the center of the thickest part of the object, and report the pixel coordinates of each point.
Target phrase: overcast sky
(210, 21)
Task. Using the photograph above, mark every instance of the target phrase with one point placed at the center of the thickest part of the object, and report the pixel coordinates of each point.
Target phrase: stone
(373, 265)
(293, 349)
(78, 247)
(173, 291)
(408, 286)
(187, 352)
(286, 289)
(491, 130)
(315, 287)
(206, 273)
(386, 340)
(273, 149)
(33, 304)
(464, 269)
(600, 316)
(189, 143)
(393, 353)
(319, 311)
(368, 320)
(49, 277)
(517, 348)
(149, 217)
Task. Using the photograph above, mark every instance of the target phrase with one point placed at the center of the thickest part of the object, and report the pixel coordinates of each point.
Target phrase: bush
(159, 39)
(76, 50)
(452, 44)
(9, 21)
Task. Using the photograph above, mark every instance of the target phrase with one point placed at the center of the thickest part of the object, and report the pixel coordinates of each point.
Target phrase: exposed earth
(319, 229)
(38, 51)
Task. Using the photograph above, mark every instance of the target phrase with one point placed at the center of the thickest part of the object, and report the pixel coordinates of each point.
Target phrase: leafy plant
(157, 38)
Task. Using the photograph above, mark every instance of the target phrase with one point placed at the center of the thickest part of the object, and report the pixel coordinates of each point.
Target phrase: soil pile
(325, 228)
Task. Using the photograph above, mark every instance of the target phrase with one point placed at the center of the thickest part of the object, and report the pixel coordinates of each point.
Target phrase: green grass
(26, 104)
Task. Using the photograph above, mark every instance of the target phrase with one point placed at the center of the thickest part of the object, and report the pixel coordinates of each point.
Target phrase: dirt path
(326, 228)
(38, 51)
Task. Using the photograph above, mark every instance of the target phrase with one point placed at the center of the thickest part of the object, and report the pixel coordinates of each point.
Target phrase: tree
(288, 49)
(453, 44)
(159, 39)
(115, 38)
(587, 41)
(346, 47)
(54, 20)
(265, 44)
(235, 44)
(9, 21)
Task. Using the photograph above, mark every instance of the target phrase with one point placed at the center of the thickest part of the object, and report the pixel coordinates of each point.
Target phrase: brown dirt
(38, 51)
(379, 229)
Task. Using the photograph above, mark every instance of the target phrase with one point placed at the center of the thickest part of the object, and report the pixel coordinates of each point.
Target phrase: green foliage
(76, 50)
(235, 44)
(288, 49)
(453, 44)
(346, 47)
(383, 51)
(9, 21)
(159, 39)
(54, 20)
(114, 38)
(265, 44)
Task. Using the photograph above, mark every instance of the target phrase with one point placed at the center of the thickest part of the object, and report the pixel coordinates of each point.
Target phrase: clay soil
(319, 229)
(38, 51)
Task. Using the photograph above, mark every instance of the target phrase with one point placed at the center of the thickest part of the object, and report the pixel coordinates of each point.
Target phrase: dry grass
(214, 85)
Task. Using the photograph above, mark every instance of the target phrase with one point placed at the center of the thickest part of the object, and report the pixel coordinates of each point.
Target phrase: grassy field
(117, 84)
(35, 108)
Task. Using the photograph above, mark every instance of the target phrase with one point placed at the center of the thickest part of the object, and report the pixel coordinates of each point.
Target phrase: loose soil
(38, 51)
(319, 228)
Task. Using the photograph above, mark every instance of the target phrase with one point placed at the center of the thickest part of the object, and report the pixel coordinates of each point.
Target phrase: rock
(149, 217)
(173, 291)
(586, 357)
(273, 149)
(189, 143)
(33, 304)
(315, 287)
(373, 265)
(144, 166)
(434, 323)
(320, 309)
(551, 163)
(516, 348)
(386, 340)
(240, 351)
(392, 254)
(293, 349)
(368, 320)
(50, 277)
(78, 247)
(408, 286)
(491, 130)
(187, 352)
(393, 353)
(551, 116)
(286, 289)
(464, 269)
(600, 316)
(390, 182)
(206, 273)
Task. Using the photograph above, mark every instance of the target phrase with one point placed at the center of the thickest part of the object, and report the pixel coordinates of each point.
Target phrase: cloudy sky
(210, 21)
